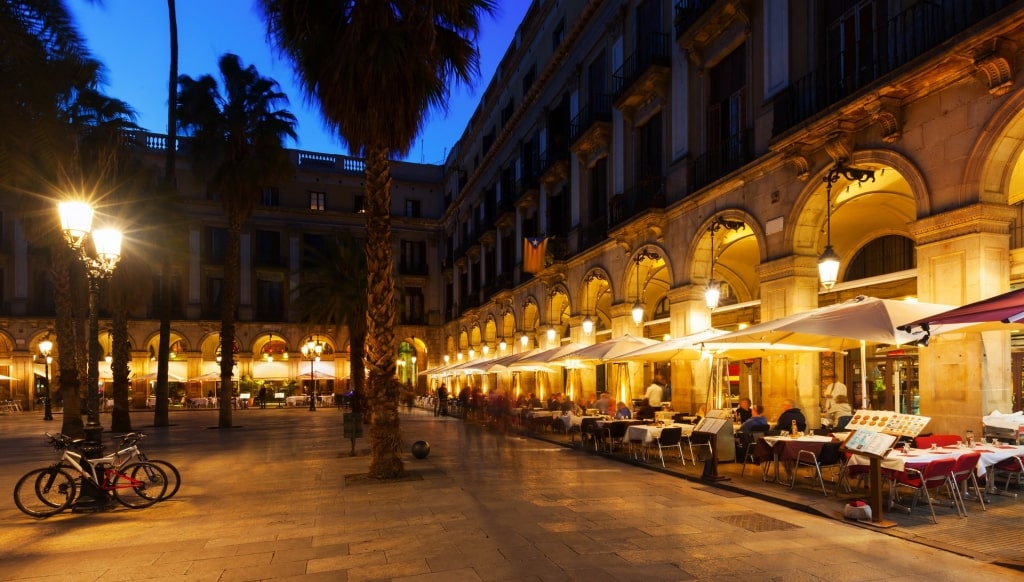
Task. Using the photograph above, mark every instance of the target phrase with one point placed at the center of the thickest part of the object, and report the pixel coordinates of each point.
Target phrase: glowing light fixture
(713, 291)
(828, 262)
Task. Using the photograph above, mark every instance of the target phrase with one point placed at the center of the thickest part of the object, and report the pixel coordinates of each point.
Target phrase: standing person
(262, 397)
(442, 401)
(655, 391)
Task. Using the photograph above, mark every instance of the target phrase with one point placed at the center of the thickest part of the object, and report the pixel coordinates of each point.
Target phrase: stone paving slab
(274, 500)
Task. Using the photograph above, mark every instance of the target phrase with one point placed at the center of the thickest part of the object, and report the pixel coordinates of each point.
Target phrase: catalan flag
(534, 250)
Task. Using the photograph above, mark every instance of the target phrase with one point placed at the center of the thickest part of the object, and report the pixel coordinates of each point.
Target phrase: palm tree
(375, 67)
(167, 197)
(333, 292)
(60, 136)
(236, 148)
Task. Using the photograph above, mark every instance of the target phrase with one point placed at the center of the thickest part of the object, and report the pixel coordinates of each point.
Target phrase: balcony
(593, 233)
(908, 35)
(687, 12)
(733, 154)
(554, 164)
(413, 269)
(645, 73)
(648, 194)
(592, 126)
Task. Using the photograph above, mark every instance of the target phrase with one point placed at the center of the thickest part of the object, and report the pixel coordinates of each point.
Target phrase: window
(413, 306)
(318, 201)
(598, 189)
(214, 245)
(176, 304)
(528, 79)
(887, 254)
(270, 197)
(268, 248)
(412, 208)
(413, 259)
(314, 246)
(359, 204)
(507, 111)
(269, 300)
(214, 297)
(558, 35)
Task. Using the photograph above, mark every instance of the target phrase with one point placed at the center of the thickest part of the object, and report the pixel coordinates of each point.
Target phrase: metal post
(312, 383)
(93, 430)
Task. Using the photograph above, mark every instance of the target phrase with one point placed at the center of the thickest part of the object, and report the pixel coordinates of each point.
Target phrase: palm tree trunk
(160, 413)
(67, 340)
(227, 322)
(384, 388)
(120, 418)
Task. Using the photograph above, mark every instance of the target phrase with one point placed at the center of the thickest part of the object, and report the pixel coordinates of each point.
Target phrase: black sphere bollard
(420, 449)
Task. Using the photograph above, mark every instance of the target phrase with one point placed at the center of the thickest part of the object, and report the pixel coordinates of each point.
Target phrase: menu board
(888, 421)
(870, 442)
(710, 425)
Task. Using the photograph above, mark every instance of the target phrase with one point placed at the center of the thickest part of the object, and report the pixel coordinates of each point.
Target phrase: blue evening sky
(130, 37)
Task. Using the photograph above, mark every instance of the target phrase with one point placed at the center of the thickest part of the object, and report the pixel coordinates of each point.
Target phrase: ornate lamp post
(45, 348)
(100, 258)
(312, 349)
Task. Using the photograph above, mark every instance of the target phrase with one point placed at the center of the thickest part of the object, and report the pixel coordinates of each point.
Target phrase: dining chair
(589, 432)
(698, 440)
(670, 438)
(747, 443)
(616, 433)
(962, 476)
(1012, 468)
(932, 476)
(939, 440)
(829, 456)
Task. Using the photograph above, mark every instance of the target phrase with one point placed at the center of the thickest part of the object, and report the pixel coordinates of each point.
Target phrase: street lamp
(100, 261)
(713, 291)
(828, 262)
(45, 348)
(312, 349)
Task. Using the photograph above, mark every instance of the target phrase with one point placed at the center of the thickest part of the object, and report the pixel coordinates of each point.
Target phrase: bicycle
(50, 490)
(129, 451)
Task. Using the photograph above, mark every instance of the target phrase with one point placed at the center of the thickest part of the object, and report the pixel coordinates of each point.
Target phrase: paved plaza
(279, 498)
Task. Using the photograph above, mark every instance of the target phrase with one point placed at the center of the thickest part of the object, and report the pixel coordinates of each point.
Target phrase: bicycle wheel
(150, 488)
(45, 492)
(173, 477)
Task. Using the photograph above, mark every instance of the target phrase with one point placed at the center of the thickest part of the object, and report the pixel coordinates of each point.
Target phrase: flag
(534, 250)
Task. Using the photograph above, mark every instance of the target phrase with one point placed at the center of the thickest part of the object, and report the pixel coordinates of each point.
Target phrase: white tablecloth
(990, 455)
(296, 400)
(648, 433)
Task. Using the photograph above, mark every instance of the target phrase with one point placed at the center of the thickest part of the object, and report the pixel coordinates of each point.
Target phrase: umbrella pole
(864, 403)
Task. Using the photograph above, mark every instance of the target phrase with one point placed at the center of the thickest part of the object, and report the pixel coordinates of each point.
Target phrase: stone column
(963, 256)
(790, 285)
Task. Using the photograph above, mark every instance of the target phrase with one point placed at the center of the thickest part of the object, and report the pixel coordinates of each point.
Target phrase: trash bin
(350, 424)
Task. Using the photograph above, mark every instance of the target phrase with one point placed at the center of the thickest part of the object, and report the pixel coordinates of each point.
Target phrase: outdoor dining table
(897, 460)
(786, 448)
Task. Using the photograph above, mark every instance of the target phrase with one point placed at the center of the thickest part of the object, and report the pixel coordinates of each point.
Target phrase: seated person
(564, 404)
(604, 404)
(789, 414)
(622, 411)
(555, 402)
(838, 409)
(703, 410)
(743, 413)
(645, 412)
(757, 421)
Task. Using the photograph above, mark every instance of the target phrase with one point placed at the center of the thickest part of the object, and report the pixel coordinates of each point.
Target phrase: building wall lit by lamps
(828, 262)
(638, 306)
(588, 322)
(713, 291)
(100, 261)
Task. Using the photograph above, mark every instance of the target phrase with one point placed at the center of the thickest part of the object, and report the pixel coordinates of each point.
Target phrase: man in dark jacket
(789, 414)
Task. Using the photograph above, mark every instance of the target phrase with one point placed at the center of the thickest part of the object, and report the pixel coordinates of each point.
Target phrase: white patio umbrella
(545, 357)
(170, 377)
(317, 375)
(841, 326)
(606, 351)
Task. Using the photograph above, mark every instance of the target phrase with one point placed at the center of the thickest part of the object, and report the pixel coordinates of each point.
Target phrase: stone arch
(992, 164)
(860, 212)
(655, 276)
(743, 280)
